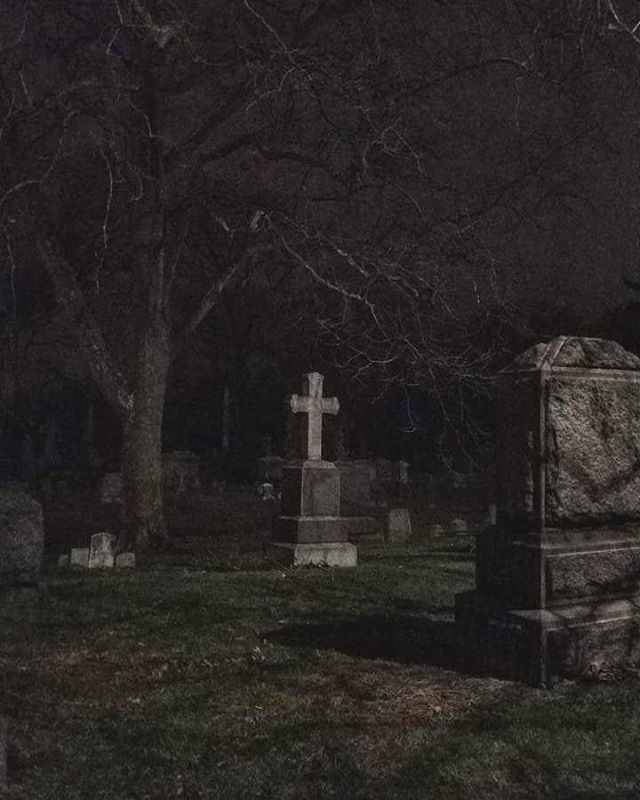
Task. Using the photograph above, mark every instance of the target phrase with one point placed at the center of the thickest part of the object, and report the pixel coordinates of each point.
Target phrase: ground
(208, 673)
(182, 682)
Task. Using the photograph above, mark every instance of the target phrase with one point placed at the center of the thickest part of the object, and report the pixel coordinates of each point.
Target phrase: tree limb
(70, 296)
(213, 294)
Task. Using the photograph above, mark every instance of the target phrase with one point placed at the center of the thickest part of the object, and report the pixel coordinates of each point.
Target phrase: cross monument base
(319, 554)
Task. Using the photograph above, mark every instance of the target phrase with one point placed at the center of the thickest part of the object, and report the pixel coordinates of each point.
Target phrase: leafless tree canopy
(373, 164)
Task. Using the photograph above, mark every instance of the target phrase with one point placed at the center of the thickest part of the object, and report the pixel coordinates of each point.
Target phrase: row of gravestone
(181, 472)
(558, 575)
(101, 554)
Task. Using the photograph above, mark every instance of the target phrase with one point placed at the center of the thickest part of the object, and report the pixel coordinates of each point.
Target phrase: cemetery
(319, 400)
(265, 646)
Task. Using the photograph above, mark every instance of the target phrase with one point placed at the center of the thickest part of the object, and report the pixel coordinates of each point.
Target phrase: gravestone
(101, 551)
(398, 525)
(309, 530)
(79, 557)
(355, 487)
(111, 488)
(558, 575)
(270, 468)
(358, 509)
(125, 561)
(180, 471)
(21, 538)
(266, 491)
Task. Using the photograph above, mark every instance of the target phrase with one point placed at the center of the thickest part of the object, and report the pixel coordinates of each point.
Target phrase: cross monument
(315, 405)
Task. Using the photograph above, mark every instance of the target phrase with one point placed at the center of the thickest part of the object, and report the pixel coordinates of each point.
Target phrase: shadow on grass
(395, 638)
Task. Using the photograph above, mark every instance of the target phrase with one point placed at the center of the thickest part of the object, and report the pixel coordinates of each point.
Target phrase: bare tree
(179, 151)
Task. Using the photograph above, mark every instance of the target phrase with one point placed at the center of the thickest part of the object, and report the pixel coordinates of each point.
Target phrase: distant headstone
(125, 561)
(270, 468)
(111, 489)
(459, 526)
(101, 551)
(181, 471)
(403, 472)
(340, 446)
(384, 470)
(398, 525)
(21, 538)
(28, 465)
(266, 491)
(436, 530)
(355, 488)
(358, 509)
(64, 560)
(79, 557)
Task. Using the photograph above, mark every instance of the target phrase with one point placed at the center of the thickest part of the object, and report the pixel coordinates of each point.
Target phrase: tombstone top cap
(567, 352)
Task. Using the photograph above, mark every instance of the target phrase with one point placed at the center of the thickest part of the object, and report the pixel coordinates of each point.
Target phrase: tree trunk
(142, 445)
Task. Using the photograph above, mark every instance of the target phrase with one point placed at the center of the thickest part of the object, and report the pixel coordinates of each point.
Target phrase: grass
(183, 683)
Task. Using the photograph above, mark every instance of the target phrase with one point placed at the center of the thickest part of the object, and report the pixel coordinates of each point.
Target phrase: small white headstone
(436, 530)
(101, 555)
(492, 516)
(80, 557)
(125, 561)
(398, 525)
(266, 491)
(403, 472)
(63, 561)
(459, 526)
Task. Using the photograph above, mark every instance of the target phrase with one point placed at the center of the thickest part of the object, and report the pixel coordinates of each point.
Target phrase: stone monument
(558, 575)
(359, 511)
(309, 529)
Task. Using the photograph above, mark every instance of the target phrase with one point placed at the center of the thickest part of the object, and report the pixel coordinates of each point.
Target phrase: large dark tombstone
(558, 577)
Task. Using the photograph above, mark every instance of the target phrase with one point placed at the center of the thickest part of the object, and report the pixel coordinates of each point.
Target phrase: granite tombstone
(558, 575)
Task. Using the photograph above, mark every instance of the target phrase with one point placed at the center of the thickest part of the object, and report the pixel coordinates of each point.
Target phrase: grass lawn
(179, 683)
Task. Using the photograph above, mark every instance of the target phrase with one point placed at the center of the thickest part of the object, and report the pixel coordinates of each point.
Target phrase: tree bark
(142, 445)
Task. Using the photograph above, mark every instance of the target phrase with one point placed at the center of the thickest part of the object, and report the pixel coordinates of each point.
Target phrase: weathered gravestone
(111, 488)
(79, 557)
(358, 509)
(125, 561)
(558, 576)
(398, 525)
(101, 554)
(21, 538)
(270, 468)
(181, 471)
(309, 530)
(102, 551)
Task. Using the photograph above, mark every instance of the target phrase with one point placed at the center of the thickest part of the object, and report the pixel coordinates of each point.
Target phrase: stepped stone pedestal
(309, 530)
(558, 576)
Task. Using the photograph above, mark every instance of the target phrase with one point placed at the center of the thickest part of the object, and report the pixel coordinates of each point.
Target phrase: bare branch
(72, 301)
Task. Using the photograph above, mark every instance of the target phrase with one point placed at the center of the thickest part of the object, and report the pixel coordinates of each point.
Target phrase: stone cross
(315, 405)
